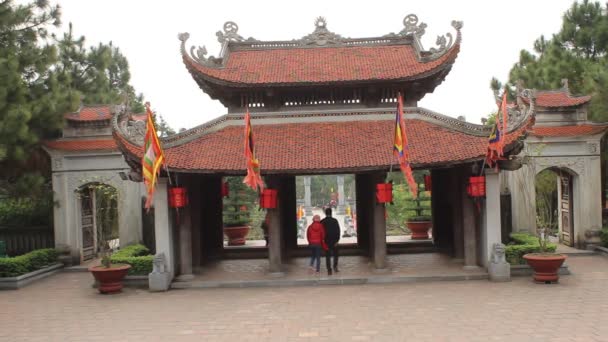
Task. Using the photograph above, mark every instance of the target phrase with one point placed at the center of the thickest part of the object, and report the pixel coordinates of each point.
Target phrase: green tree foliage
(546, 200)
(31, 94)
(97, 75)
(43, 77)
(162, 127)
(578, 52)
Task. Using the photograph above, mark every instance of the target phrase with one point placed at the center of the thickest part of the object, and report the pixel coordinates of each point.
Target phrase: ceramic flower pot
(236, 235)
(545, 266)
(110, 279)
(419, 229)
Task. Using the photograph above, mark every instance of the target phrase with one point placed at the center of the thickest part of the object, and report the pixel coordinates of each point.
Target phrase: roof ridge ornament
(442, 41)
(200, 54)
(321, 35)
(412, 28)
(230, 33)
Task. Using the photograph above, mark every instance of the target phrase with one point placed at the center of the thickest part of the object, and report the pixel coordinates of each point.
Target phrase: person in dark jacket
(316, 240)
(332, 237)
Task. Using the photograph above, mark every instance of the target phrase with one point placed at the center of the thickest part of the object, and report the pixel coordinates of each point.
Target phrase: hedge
(521, 244)
(604, 237)
(138, 256)
(22, 264)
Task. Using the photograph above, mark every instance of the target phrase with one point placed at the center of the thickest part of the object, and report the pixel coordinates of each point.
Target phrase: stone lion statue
(498, 255)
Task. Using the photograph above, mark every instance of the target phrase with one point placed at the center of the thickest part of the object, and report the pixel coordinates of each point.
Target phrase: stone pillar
(341, 209)
(287, 191)
(379, 225)
(275, 238)
(364, 216)
(185, 243)
(469, 228)
(490, 232)
(194, 195)
(456, 190)
(163, 233)
(65, 217)
(307, 200)
(129, 213)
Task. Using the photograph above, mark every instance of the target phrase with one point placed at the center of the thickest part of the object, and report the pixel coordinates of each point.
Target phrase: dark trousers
(331, 250)
(316, 257)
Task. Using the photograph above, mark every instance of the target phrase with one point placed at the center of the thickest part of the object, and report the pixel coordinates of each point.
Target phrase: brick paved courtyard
(65, 308)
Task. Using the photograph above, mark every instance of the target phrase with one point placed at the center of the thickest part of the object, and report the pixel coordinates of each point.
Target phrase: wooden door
(565, 204)
(87, 222)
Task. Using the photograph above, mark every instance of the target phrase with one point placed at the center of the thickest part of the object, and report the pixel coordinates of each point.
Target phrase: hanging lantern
(178, 197)
(428, 185)
(268, 199)
(225, 189)
(477, 186)
(384, 192)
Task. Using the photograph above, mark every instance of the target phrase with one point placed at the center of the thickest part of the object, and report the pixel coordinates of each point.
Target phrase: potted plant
(419, 224)
(545, 263)
(108, 276)
(236, 213)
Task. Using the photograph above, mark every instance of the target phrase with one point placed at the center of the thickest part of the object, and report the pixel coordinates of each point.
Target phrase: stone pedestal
(498, 268)
(160, 279)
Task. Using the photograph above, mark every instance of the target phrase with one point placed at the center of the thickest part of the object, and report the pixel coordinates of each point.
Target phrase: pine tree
(31, 95)
(578, 52)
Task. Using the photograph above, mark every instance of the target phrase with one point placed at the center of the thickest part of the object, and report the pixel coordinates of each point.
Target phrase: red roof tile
(92, 113)
(567, 131)
(322, 65)
(323, 146)
(559, 99)
(82, 145)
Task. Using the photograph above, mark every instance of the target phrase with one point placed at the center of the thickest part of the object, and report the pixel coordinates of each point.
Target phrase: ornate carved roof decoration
(321, 35)
(199, 55)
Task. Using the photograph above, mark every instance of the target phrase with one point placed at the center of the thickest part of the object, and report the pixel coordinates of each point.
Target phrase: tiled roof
(322, 65)
(567, 131)
(108, 144)
(559, 99)
(324, 146)
(91, 113)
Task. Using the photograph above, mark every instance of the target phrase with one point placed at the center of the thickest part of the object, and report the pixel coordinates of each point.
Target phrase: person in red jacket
(316, 240)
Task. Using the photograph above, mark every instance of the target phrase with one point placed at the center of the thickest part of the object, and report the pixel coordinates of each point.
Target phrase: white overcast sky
(146, 31)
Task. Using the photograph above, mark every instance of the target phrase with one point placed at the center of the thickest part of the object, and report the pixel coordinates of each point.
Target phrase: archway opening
(98, 219)
(554, 204)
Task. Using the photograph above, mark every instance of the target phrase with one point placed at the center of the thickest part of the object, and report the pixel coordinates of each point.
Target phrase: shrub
(26, 211)
(138, 256)
(604, 237)
(521, 244)
(34, 260)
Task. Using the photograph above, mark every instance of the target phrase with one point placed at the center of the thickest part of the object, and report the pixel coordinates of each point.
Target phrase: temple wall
(70, 173)
(579, 157)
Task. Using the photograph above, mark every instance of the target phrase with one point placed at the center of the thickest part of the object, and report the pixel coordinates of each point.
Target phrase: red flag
(253, 178)
(152, 159)
(401, 148)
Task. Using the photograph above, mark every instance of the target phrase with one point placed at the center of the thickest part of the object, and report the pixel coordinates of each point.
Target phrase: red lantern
(428, 185)
(268, 199)
(178, 197)
(477, 186)
(384, 192)
(225, 189)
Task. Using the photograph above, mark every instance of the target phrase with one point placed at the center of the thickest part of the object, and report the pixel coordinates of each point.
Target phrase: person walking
(316, 240)
(332, 237)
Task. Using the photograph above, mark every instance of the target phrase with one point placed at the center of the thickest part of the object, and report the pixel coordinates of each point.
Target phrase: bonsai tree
(421, 207)
(237, 205)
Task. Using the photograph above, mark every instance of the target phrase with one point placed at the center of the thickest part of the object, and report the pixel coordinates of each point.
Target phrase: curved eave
(203, 74)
